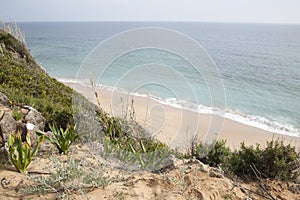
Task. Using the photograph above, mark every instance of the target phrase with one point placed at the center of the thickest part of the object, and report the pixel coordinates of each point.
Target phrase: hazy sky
(273, 11)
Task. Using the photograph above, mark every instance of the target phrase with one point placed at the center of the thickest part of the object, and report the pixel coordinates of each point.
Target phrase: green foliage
(25, 86)
(217, 154)
(20, 153)
(280, 160)
(146, 160)
(63, 138)
(26, 83)
(276, 160)
(130, 142)
(17, 114)
(242, 159)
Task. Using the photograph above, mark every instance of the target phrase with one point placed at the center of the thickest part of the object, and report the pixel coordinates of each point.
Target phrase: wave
(250, 120)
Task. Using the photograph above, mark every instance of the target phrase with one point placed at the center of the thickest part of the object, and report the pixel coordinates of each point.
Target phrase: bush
(217, 155)
(275, 161)
(240, 161)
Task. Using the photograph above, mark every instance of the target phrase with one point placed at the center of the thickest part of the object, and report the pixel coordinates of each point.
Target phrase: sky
(257, 11)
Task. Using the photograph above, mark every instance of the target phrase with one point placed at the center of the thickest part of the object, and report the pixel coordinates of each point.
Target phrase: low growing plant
(63, 138)
(18, 115)
(70, 176)
(20, 152)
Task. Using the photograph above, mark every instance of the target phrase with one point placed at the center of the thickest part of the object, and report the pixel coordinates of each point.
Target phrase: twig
(236, 184)
(258, 176)
(37, 172)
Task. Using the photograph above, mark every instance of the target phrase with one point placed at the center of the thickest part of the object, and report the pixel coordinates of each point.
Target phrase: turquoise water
(259, 65)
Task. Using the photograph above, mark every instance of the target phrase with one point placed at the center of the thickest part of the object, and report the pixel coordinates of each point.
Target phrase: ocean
(259, 65)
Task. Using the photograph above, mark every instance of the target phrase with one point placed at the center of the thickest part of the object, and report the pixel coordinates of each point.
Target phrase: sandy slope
(189, 180)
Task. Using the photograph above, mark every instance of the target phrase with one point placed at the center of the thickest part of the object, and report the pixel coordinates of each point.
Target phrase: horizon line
(162, 21)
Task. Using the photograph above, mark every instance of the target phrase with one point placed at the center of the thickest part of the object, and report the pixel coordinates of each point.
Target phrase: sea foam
(250, 120)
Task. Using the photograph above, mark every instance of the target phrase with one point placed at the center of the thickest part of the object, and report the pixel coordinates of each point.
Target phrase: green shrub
(276, 160)
(20, 153)
(241, 160)
(63, 138)
(279, 161)
(217, 155)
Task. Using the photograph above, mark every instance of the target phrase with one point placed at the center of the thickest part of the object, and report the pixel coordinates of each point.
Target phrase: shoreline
(178, 127)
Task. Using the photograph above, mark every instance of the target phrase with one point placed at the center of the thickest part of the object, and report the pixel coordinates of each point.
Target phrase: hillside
(118, 164)
(26, 83)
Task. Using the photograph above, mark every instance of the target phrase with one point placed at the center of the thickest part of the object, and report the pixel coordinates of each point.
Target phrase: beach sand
(179, 127)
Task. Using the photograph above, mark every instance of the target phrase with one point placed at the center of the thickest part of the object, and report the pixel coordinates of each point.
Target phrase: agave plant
(20, 152)
(63, 138)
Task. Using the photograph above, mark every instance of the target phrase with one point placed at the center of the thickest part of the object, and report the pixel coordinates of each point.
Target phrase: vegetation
(25, 86)
(17, 114)
(13, 29)
(71, 176)
(20, 153)
(131, 143)
(63, 138)
(276, 160)
(25, 83)
(216, 155)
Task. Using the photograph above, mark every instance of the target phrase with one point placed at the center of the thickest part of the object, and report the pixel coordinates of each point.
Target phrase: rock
(3, 99)
(5, 183)
(202, 167)
(46, 147)
(24, 111)
(4, 157)
(36, 118)
(8, 124)
(215, 172)
(297, 180)
(169, 164)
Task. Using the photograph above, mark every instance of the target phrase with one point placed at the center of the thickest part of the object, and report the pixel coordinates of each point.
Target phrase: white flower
(30, 126)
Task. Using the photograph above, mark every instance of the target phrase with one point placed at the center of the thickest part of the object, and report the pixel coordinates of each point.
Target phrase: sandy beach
(178, 127)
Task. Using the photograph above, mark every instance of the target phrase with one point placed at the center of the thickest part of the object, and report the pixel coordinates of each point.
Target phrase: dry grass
(13, 29)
